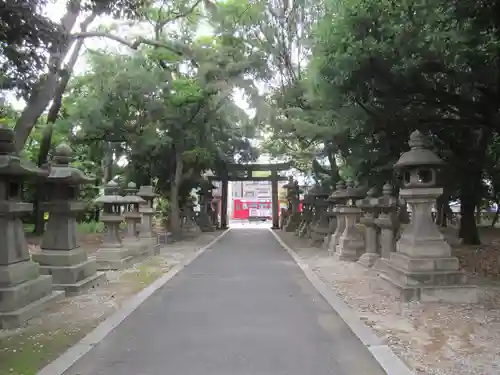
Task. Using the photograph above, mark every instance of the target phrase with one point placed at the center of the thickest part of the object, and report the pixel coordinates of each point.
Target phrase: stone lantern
(61, 257)
(131, 204)
(351, 243)
(336, 200)
(189, 227)
(293, 217)
(204, 219)
(388, 222)
(319, 228)
(306, 215)
(422, 267)
(332, 201)
(23, 291)
(112, 255)
(147, 210)
(146, 234)
(370, 208)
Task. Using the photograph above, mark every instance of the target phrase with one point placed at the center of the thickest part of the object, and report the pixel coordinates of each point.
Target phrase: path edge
(381, 352)
(62, 363)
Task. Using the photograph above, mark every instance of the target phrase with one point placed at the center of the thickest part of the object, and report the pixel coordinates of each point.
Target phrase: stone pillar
(422, 267)
(369, 205)
(146, 234)
(223, 214)
(351, 243)
(339, 196)
(112, 255)
(71, 269)
(23, 291)
(275, 200)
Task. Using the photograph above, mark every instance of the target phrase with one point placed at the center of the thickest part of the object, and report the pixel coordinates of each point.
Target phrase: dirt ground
(432, 338)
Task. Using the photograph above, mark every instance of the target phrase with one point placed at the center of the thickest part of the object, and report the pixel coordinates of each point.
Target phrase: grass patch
(145, 275)
(28, 352)
(91, 227)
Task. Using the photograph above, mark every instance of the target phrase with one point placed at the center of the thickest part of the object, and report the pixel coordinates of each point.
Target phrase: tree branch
(133, 45)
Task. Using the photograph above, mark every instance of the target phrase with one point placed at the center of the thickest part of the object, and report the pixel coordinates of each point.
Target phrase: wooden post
(223, 214)
(275, 203)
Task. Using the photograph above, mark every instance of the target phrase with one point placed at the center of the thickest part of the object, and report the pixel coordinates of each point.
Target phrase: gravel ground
(434, 339)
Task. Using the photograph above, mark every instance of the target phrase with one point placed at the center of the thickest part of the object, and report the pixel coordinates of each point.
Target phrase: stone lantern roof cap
(353, 191)
(131, 197)
(387, 190)
(110, 194)
(419, 154)
(61, 170)
(146, 191)
(308, 198)
(13, 165)
(290, 184)
(319, 191)
(339, 191)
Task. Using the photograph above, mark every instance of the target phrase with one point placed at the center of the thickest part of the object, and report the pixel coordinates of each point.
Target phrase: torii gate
(244, 172)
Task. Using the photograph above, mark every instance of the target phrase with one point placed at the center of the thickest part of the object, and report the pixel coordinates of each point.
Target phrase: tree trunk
(470, 197)
(442, 208)
(468, 229)
(44, 90)
(478, 215)
(175, 222)
(46, 141)
(107, 163)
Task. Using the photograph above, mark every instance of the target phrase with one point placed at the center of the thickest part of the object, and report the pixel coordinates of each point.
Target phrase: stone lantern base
(71, 270)
(426, 278)
(113, 258)
(24, 293)
(368, 259)
(204, 222)
(189, 228)
(292, 223)
(305, 228)
(318, 234)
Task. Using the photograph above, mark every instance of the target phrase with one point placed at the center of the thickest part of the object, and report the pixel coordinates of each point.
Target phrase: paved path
(241, 308)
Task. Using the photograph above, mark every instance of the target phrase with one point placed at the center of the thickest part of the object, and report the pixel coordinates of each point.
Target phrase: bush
(91, 227)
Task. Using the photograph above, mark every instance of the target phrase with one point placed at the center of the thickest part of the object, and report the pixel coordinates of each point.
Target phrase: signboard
(259, 212)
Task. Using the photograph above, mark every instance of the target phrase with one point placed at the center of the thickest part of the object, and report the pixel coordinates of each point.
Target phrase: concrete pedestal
(24, 293)
(71, 271)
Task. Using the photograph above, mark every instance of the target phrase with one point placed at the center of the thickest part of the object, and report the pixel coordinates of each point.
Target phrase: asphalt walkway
(241, 308)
